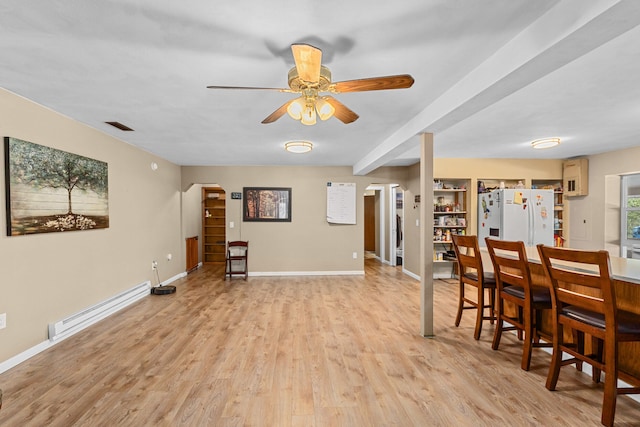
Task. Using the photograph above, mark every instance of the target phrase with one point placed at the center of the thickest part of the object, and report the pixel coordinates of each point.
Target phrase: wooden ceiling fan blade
(400, 81)
(342, 113)
(278, 113)
(250, 88)
(308, 62)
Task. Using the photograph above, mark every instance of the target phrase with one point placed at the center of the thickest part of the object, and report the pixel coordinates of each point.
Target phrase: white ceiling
(490, 76)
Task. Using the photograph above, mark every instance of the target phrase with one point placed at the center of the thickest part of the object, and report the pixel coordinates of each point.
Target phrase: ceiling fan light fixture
(540, 144)
(325, 109)
(298, 147)
(295, 109)
(309, 115)
(309, 78)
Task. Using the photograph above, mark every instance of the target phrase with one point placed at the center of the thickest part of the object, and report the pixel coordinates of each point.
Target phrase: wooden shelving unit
(450, 216)
(558, 218)
(213, 225)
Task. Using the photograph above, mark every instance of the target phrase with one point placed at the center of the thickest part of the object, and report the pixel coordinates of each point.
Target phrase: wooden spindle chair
(514, 285)
(471, 272)
(583, 299)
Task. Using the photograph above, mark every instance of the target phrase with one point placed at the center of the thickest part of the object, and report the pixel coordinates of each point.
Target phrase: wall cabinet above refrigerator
(575, 176)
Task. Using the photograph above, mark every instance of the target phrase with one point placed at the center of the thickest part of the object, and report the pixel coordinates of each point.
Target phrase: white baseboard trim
(173, 279)
(19, 358)
(307, 273)
(39, 348)
(410, 274)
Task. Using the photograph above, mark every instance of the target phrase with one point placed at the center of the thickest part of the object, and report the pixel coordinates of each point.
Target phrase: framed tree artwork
(267, 204)
(49, 190)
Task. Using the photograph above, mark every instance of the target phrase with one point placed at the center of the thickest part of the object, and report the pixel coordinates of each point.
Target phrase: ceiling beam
(566, 32)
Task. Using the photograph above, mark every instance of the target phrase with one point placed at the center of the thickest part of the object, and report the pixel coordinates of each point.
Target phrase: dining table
(625, 276)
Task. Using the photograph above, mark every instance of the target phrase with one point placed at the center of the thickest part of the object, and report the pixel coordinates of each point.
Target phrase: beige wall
(411, 215)
(595, 218)
(388, 221)
(46, 277)
(192, 214)
(600, 207)
(308, 243)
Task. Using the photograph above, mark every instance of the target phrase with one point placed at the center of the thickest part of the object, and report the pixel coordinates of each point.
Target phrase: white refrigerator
(516, 214)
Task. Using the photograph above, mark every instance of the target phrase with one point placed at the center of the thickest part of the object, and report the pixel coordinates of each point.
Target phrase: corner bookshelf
(214, 242)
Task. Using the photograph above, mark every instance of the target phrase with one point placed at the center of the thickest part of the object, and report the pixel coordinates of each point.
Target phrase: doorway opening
(397, 226)
(384, 223)
(374, 222)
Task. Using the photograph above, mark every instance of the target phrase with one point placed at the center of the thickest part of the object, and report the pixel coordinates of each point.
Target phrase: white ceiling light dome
(298, 147)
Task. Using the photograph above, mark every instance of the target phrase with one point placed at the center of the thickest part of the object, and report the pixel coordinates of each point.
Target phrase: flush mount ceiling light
(545, 143)
(298, 147)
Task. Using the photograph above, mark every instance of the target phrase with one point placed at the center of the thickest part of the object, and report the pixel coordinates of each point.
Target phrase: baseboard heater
(91, 315)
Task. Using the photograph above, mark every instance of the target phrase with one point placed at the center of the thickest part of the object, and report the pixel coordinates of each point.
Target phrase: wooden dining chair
(583, 299)
(471, 272)
(514, 285)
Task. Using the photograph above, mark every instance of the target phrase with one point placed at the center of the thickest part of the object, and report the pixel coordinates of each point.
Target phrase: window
(630, 210)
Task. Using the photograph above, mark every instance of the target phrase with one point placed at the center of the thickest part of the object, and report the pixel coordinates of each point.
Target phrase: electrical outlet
(3, 320)
(355, 255)
(154, 265)
(169, 257)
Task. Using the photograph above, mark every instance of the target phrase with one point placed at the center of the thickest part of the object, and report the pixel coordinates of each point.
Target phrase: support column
(426, 235)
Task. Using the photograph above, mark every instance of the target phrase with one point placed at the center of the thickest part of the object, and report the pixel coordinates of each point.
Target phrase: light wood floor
(294, 351)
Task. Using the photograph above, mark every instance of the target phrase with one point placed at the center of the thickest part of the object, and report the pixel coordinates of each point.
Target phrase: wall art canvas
(49, 190)
(267, 204)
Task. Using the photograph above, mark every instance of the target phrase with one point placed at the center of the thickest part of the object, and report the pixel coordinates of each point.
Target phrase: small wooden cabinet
(214, 243)
(192, 253)
(575, 175)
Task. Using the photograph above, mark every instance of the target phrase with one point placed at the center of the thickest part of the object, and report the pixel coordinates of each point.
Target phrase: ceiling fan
(311, 79)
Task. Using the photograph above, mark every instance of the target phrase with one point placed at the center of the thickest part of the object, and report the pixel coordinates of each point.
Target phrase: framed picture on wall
(49, 190)
(266, 204)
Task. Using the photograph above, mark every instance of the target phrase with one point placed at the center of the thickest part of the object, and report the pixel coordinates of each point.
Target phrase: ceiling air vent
(120, 126)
